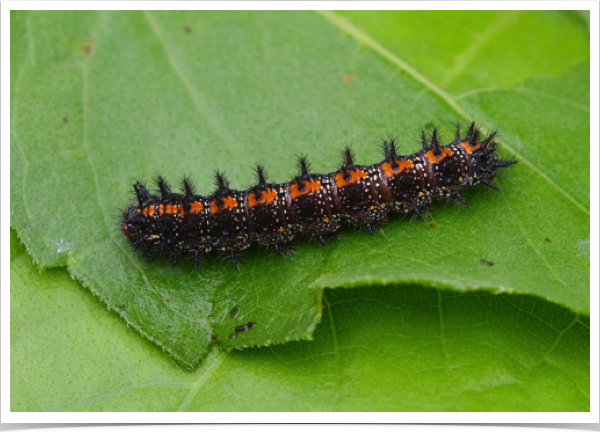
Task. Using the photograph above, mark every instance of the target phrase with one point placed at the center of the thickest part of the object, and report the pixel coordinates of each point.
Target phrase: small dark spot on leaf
(121, 306)
(486, 262)
(548, 240)
(214, 337)
(244, 328)
(87, 48)
(241, 328)
(187, 29)
(234, 312)
(349, 78)
(65, 120)
(232, 336)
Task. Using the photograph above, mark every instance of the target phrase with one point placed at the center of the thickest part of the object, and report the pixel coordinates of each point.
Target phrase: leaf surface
(103, 98)
(395, 348)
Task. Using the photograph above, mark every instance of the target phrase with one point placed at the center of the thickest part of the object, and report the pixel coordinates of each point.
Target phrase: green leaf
(99, 99)
(461, 51)
(396, 348)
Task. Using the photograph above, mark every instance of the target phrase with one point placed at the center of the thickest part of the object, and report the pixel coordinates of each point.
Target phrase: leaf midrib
(368, 41)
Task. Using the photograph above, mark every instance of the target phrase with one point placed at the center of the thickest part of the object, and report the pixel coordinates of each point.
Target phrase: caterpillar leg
(461, 200)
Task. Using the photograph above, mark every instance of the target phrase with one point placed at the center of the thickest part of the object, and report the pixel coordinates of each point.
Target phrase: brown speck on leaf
(486, 262)
(548, 240)
(65, 120)
(232, 336)
(214, 144)
(241, 328)
(87, 48)
(187, 29)
(349, 78)
(244, 328)
(432, 224)
(234, 312)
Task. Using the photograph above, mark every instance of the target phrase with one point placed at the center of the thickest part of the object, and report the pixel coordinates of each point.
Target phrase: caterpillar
(314, 205)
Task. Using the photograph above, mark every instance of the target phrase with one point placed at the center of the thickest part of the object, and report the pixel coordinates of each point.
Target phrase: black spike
(475, 138)
(322, 240)
(348, 157)
(389, 149)
(461, 200)
(435, 142)
(503, 164)
(165, 190)
(300, 184)
(424, 140)
(386, 151)
(370, 228)
(234, 257)
(489, 139)
(470, 132)
(196, 259)
(188, 188)
(393, 149)
(261, 175)
(418, 213)
(304, 166)
(221, 182)
(488, 184)
(141, 192)
(457, 138)
(345, 173)
(175, 257)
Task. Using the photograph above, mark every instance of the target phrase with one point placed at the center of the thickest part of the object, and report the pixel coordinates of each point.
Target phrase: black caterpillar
(310, 204)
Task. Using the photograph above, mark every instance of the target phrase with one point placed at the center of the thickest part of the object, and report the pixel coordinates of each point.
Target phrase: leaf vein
(463, 60)
(365, 39)
(209, 369)
(336, 353)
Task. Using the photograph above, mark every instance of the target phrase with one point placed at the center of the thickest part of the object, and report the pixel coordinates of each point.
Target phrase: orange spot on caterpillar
(401, 166)
(468, 147)
(197, 207)
(355, 177)
(229, 202)
(310, 186)
(148, 211)
(171, 209)
(268, 197)
(432, 158)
